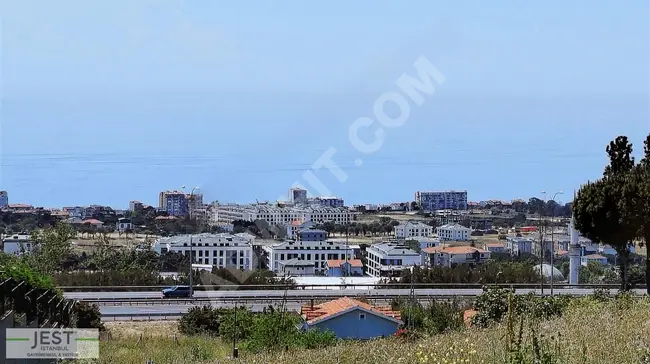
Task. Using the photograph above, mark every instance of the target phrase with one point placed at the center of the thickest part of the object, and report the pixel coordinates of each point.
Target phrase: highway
(306, 294)
(151, 306)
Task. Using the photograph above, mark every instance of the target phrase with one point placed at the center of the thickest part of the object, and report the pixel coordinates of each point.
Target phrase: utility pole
(552, 235)
(191, 248)
(191, 270)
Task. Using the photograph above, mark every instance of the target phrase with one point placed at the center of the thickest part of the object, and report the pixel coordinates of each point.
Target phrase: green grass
(590, 332)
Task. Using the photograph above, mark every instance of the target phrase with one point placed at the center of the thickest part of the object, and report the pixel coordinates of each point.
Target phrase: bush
(88, 316)
(315, 339)
(492, 306)
(200, 321)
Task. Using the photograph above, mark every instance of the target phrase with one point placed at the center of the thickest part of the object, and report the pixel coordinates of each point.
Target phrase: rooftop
(296, 262)
(454, 250)
(332, 308)
(393, 249)
(354, 263)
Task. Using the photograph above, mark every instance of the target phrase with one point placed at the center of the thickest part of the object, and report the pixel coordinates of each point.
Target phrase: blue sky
(108, 101)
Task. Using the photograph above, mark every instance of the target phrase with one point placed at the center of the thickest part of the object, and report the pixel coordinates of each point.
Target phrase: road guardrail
(378, 286)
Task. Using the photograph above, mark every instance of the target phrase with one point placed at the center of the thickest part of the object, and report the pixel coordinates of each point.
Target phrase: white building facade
(17, 244)
(441, 200)
(455, 232)
(413, 230)
(390, 259)
(284, 216)
(317, 253)
(218, 250)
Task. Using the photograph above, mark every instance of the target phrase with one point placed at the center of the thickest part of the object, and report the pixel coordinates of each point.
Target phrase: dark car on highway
(176, 291)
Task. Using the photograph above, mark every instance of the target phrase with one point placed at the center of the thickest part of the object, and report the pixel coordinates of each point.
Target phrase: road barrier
(243, 287)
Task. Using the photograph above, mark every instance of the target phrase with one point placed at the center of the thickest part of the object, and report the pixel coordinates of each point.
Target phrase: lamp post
(552, 235)
(191, 249)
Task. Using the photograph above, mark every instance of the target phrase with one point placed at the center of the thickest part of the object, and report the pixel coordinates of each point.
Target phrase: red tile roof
(354, 263)
(453, 250)
(332, 308)
(92, 221)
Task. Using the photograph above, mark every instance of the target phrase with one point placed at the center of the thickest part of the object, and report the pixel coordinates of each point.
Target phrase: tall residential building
(135, 205)
(441, 200)
(4, 199)
(298, 195)
(194, 203)
(174, 203)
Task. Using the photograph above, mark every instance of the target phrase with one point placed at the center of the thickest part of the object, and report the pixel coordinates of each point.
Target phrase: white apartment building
(317, 253)
(453, 255)
(276, 215)
(218, 250)
(441, 200)
(390, 259)
(518, 245)
(455, 232)
(413, 230)
(17, 243)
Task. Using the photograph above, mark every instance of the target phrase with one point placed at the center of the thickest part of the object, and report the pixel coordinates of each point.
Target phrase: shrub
(492, 306)
(88, 316)
(200, 321)
(315, 339)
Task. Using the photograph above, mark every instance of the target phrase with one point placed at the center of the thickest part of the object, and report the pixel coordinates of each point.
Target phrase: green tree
(598, 210)
(637, 198)
(51, 247)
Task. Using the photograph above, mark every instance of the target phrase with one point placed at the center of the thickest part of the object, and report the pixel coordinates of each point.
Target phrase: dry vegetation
(589, 332)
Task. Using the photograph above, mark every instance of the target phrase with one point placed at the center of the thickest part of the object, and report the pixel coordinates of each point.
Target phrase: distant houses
(351, 319)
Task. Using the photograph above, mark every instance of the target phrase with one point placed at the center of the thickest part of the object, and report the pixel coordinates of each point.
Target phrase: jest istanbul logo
(27, 343)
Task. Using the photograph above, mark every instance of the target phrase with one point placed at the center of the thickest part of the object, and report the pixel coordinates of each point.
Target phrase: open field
(589, 332)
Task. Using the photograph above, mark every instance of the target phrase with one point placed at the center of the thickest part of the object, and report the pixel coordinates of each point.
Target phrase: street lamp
(552, 235)
(191, 249)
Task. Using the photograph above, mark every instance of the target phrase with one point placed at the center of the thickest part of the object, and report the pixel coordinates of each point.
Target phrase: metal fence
(243, 287)
(22, 306)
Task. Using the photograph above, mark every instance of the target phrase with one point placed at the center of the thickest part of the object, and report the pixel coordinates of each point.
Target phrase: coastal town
(311, 238)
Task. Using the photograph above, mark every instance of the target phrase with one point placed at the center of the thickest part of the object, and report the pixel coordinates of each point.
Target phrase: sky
(109, 101)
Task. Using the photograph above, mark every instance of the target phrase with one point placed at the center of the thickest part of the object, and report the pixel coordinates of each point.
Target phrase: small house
(124, 224)
(351, 319)
(296, 267)
(341, 268)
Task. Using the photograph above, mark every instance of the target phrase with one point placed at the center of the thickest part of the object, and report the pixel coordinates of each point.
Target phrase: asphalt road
(320, 292)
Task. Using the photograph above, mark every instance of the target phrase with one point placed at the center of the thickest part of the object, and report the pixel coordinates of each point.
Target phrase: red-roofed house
(338, 267)
(452, 255)
(351, 319)
(93, 222)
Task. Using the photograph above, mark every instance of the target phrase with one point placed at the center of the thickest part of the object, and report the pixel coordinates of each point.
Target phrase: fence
(22, 306)
(243, 287)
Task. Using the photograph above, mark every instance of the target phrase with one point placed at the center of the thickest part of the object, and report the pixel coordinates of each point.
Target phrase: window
(362, 316)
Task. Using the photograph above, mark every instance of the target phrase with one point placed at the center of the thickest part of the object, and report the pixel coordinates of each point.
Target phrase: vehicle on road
(176, 291)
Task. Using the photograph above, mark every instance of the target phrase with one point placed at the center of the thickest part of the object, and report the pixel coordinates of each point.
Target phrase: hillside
(590, 332)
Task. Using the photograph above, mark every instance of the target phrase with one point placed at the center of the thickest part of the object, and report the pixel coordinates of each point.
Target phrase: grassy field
(588, 333)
